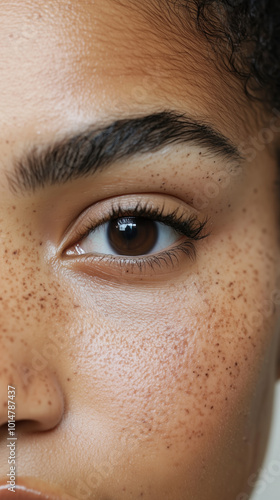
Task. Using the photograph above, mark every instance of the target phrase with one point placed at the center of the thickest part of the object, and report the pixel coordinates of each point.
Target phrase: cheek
(181, 385)
(175, 364)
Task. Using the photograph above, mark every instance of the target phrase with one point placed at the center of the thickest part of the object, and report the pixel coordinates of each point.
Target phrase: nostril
(28, 425)
(37, 405)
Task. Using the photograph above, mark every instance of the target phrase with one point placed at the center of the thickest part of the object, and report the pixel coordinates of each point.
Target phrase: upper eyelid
(93, 215)
(149, 213)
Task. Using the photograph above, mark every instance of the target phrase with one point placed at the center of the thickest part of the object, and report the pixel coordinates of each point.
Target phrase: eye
(131, 233)
(130, 237)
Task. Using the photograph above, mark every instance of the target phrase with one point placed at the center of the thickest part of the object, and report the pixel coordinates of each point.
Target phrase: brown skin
(153, 385)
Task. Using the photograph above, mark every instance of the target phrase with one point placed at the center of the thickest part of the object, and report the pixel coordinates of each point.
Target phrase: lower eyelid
(113, 268)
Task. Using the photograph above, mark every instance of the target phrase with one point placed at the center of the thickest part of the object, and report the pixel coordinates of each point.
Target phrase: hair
(245, 34)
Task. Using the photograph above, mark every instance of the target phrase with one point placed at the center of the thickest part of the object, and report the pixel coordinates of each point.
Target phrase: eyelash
(189, 226)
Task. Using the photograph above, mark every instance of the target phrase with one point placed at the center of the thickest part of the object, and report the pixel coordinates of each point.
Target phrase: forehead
(68, 62)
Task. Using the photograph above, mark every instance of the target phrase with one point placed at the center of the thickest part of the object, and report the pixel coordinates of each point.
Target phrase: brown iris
(132, 235)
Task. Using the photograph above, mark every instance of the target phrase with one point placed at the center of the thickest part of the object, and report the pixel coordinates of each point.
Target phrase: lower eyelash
(169, 257)
(164, 258)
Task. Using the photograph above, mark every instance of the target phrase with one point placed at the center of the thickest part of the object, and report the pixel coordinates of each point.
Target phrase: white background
(269, 484)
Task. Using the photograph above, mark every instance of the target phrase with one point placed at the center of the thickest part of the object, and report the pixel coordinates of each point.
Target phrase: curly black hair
(246, 36)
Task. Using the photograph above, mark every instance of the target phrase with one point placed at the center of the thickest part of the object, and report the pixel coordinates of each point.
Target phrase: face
(139, 281)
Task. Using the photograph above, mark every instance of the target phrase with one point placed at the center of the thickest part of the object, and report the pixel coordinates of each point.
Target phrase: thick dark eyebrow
(95, 148)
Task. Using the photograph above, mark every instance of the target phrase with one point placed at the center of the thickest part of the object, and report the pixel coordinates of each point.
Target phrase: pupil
(132, 235)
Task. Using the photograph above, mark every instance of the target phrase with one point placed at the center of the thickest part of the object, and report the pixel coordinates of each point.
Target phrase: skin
(134, 385)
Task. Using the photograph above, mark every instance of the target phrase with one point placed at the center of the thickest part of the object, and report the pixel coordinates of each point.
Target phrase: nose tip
(34, 400)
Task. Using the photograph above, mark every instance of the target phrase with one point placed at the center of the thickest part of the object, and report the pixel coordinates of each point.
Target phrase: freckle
(49, 402)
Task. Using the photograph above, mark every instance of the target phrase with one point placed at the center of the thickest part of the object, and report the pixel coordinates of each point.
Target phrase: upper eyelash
(188, 226)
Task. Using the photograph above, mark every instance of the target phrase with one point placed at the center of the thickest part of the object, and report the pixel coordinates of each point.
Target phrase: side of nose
(26, 295)
(33, 399)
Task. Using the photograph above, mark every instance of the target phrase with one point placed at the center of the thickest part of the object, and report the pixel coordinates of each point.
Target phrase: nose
(33, 390)
(32, 399)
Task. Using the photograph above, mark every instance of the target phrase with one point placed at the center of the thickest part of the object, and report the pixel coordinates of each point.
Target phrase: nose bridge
(18, 273)
(28, 288)
(27, 291)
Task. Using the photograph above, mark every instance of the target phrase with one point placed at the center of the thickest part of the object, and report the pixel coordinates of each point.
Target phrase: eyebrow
(90, 151)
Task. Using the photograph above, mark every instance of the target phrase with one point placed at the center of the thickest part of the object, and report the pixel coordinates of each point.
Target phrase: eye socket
(128, 236)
